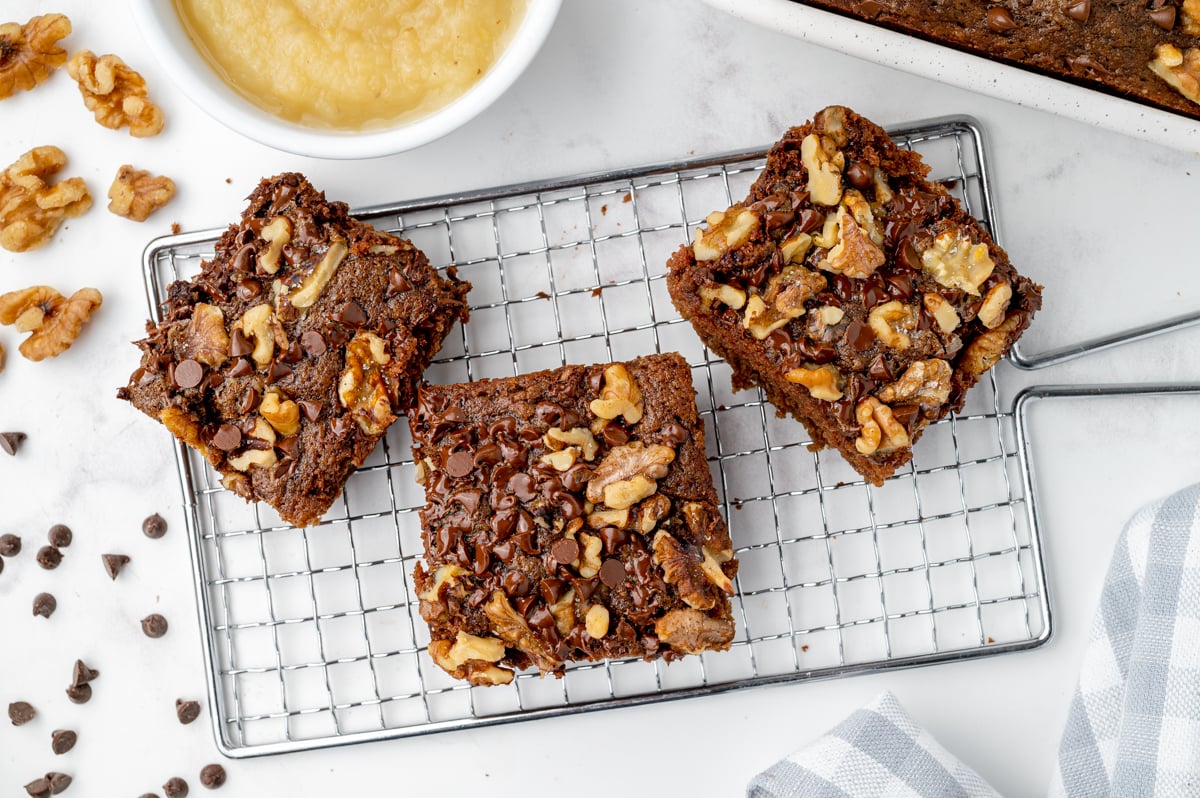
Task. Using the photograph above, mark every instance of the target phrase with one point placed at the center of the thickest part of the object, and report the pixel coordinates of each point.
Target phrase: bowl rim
(169, 43)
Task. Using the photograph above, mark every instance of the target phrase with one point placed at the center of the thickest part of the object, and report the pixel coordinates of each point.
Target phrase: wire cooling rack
(312, 637)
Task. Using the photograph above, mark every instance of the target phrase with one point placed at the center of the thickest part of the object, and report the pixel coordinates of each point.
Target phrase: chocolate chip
(1000, 20)
(289, 446)
(155, 526)
(21, 712)
(860, 175)
(113, 563)
(612, 572)
(1162, 17)
(148, 795)
(313, 343)
(249, 402)
(39, 788)
(81, 674)
(10, 545)
(879, 369)
(59, 782)
(859, 336)
(523, 486)
(188, 373)
(516, 583)
(228, 437)
(49, 557)
(175, 788)
(1079, 10)
(565, 551)
(242, 367)
(397, 284)
(154, 625)
(249, 289)
(212, 776)
(81, 694)
(460, 464)
(239, 344)
(351, 314)
(675, 434)
(44, 605)
(615, 435)
(870, 8)
(63, 740)
(60, 536)
(279, 370)
(10, 442)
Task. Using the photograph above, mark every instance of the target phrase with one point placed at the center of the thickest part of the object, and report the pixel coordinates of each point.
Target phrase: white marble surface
(1094, 216)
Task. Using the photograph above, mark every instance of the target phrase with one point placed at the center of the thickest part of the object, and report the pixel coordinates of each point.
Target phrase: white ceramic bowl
(168, 41)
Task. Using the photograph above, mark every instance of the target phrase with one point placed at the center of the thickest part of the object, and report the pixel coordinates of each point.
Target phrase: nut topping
(582, 437)
(725, 294)
(561, 460)
(589, 560)
(955, 262)
(1190, 11)
(854, 254)
(53, 320)
(29, 53)
(282, 414)
(508, 624)
(626, 474)
(824, 163)
(31, 209)
(795, 248)
(362, 389)
(925, 381)
(823, 382)
(991, 312)
(602, 518)
(942, 311)
(692, 631)
(115, 94)
(444, 576)
(983, 353)
(783, 300)
(619, 396)
(315, 283)
(891, 323)
(205, 340)
(726, 230)
(1181, 69)
(682, 571)
(135, 193)
(258, 324)
(277, 234)
(881, 433)
(596, 621)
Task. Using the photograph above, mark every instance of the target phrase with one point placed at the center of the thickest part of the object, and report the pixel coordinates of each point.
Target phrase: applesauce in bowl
(344, 78)
(350, 64)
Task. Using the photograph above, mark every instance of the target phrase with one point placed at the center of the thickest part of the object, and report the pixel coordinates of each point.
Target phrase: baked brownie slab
(570, 516)
(284, 361)
(861, 297)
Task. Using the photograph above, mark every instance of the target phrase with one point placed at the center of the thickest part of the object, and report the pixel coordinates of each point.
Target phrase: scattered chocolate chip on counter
(148, 795)
(21, 712)
(175, 788)
(186, 711)
(212, 776)
(49, 557)
(154, 625)
(154, 527)
(10, 442)
(60, 536)
(62, 741)
(59, 782)
(44, 605)
(1, 566)
(113, 563)
(80, 692)
(10, 545)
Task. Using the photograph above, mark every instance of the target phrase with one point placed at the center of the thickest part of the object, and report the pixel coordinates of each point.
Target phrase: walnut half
(627, 474)
(31, 209)
(1181, 69)
(115, 93)
(692, 631)
(135, 193)
(53, 320)
(29, 53)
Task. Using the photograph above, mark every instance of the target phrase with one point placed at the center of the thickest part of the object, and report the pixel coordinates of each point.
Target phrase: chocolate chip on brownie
(44, 605)
(21, 712)
(113, 563)
(155, 526)
(154, 625)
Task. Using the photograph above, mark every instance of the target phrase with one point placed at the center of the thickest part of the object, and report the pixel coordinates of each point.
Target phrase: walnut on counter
(31, 207)
(53, 320)
(135, 193)
(115, 93)
(29, 53)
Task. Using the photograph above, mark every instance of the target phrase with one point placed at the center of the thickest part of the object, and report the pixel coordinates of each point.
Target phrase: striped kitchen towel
(877, 751)
(1134, 724)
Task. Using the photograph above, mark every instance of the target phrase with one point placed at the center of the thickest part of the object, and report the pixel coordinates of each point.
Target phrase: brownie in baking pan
(570, 516)
(858, 295)
(286, 358)
(1145, 51)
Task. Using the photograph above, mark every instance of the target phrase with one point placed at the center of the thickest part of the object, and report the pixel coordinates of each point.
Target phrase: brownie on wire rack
(570, 515)
(858, 295)
(286, 359)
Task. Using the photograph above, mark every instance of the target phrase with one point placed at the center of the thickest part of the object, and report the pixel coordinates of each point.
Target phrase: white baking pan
(971, 72)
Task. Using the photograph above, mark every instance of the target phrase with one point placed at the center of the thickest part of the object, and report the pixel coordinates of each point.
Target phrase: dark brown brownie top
(1102, 45)
(287, 357)
(857, 281)
(570, 515)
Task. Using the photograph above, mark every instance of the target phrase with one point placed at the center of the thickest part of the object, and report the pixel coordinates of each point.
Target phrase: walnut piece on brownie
(570, 515)
(857, 294)
(284, 361)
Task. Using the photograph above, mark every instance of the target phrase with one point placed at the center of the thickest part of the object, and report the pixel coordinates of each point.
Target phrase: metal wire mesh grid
(313, 638)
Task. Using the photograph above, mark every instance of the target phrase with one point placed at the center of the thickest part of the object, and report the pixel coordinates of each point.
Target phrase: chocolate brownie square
(858, 295)
(286, 358)
(570, 516)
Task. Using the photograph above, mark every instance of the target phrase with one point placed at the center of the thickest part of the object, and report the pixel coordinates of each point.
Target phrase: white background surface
(1105, 222)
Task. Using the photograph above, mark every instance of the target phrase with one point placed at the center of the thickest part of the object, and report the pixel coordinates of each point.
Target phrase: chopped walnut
(725, 294)
(135, 193)
(650, 512)
(860, 209)
(589, 558)
(599, 519)
(261, 458)
(627, 471)
(1190, 11)
(824, 163)
(795, 248)
(282, 414)
(29, 53)
(205, 340)
(563, 611)
(823, 382)
(925, 381)
(983, 353)
(468, 647)
(991, 312)
(955, 262)
(855, 254)
(278, 234)
(470, 657)
(711, 565)
(596, 621)
(562, 460)
(53, 320)
(308, 292)
(508, 624)
(782, 301)
(726, 230)
(883, 191)
(619, 396)
(683, 571)
(115, 93)
(259, 324)
(692, 631)
(891, 322)
(31, 209)
(581, 437)
(942, 311)
(361, 388)
(881, 432)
